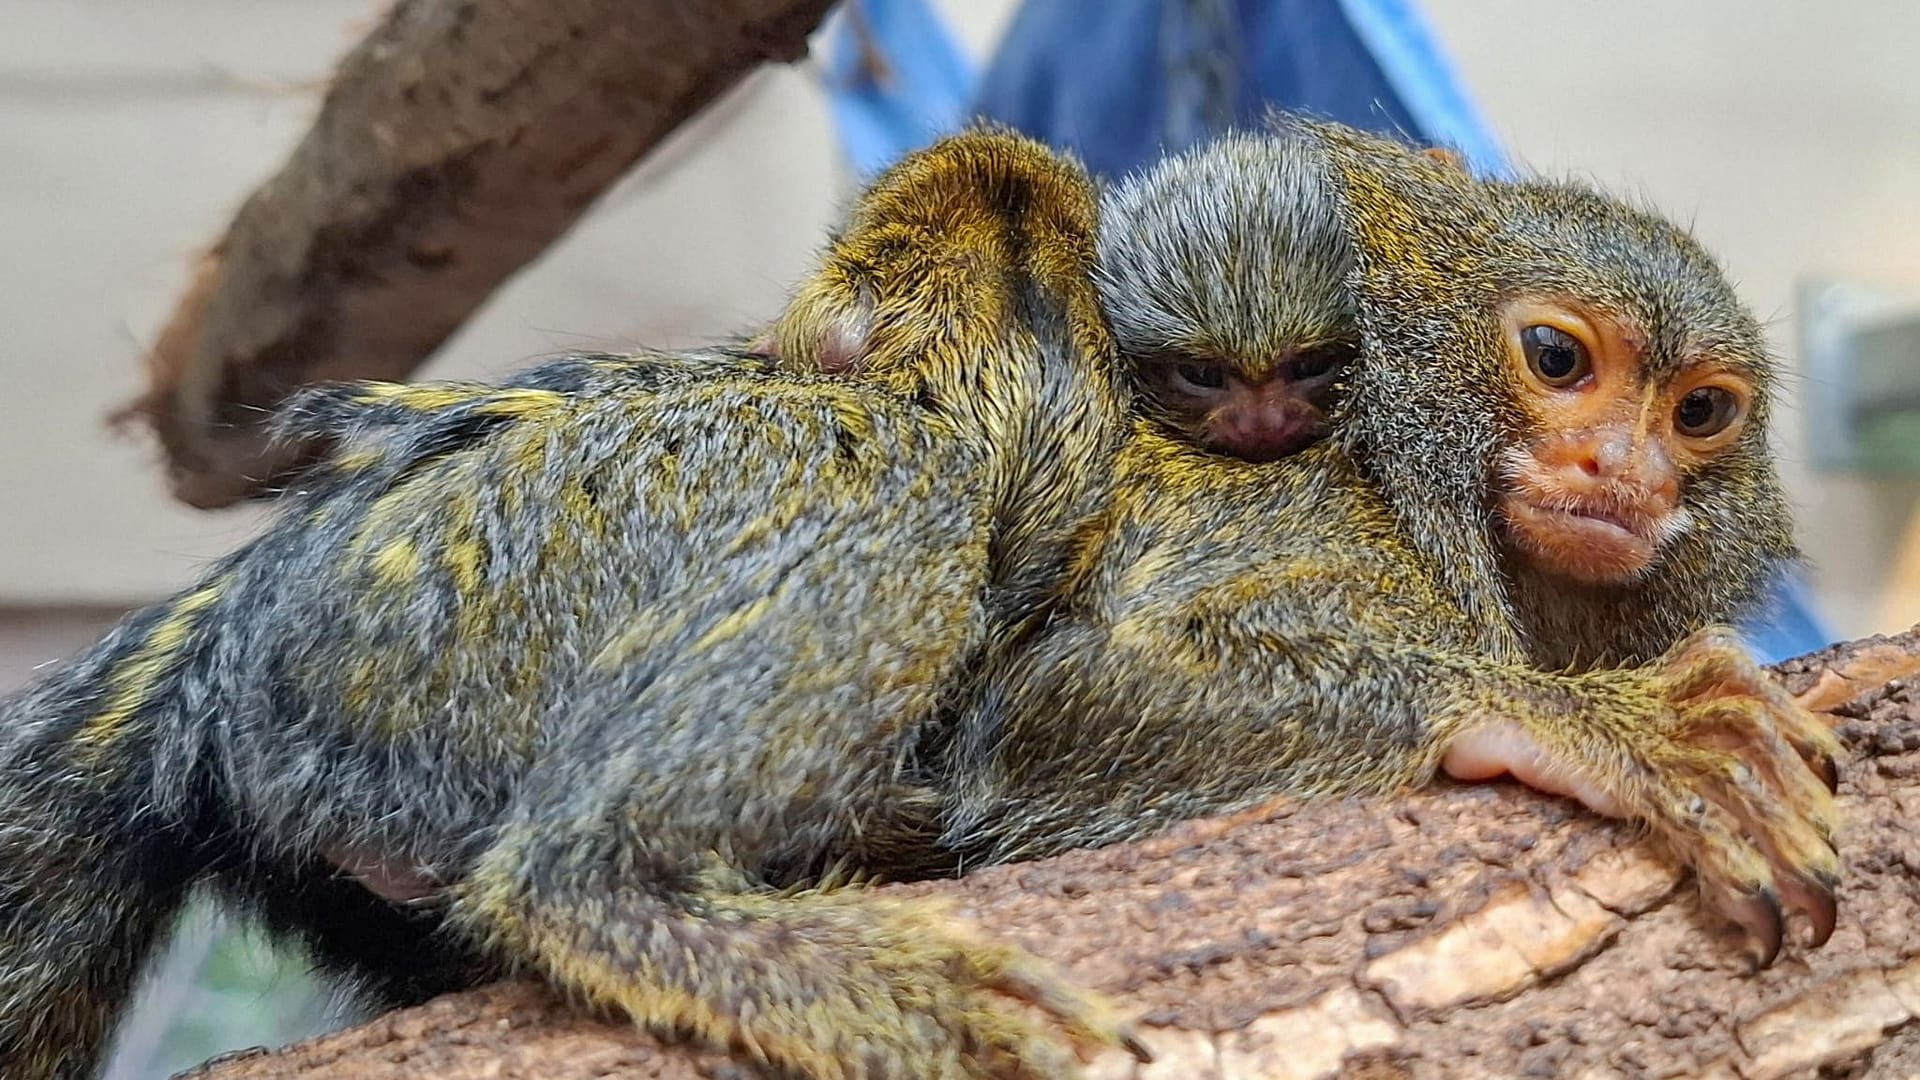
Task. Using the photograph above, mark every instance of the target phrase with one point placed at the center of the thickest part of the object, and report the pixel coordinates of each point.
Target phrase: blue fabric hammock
(1122, 82)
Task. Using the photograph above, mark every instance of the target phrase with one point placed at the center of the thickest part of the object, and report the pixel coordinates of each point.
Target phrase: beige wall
(33, 637)
(1789, 133)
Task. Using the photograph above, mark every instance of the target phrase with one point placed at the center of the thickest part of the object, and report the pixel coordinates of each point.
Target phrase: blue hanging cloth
(896, 80)
(1122, 82)
(1424, 81)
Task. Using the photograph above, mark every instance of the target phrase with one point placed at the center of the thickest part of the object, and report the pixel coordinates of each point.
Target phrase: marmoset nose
(1611, 457)
(1270, 431)
(1606, 456)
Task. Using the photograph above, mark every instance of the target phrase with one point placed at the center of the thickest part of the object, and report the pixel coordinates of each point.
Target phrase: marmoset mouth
(1598, 544)
(1606, 516)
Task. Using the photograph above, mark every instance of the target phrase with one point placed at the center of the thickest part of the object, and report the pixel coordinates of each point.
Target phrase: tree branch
(1459, 931)
(458, 141)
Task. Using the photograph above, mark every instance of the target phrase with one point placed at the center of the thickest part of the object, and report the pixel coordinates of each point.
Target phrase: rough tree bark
(1458, 932)
(458, 140)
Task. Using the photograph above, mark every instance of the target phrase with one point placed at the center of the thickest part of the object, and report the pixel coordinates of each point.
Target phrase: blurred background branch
(455, 144)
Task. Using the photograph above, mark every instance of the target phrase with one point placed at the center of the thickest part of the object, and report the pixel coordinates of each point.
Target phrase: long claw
(1760, 913)
(1829, 771)
(1821, 906)
(1138, 1049)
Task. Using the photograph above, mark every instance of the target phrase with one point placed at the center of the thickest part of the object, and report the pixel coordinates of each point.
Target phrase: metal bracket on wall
(1860, 355)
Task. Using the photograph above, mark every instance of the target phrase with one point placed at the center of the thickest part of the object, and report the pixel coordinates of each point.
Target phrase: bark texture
(1462, 931)
(458, 140)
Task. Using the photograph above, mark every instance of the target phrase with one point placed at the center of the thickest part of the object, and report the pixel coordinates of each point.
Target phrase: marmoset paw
(1731, 775)
(1742, 789)
(887, 988)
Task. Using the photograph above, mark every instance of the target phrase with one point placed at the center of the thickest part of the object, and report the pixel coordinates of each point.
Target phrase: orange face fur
(1593, 492)
(1254, 414)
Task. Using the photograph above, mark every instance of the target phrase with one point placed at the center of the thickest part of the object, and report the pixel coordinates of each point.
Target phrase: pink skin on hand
(1493, 749)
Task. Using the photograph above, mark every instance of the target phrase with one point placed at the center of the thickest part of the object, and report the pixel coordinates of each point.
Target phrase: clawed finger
(1085, 1015)
(1711, 663)
(1811, 737)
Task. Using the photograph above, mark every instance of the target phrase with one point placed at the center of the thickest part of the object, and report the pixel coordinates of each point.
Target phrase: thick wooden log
(1463, 931)
(459, 139)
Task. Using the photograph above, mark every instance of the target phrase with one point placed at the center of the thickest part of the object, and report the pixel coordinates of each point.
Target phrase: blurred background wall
(1787, 133)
